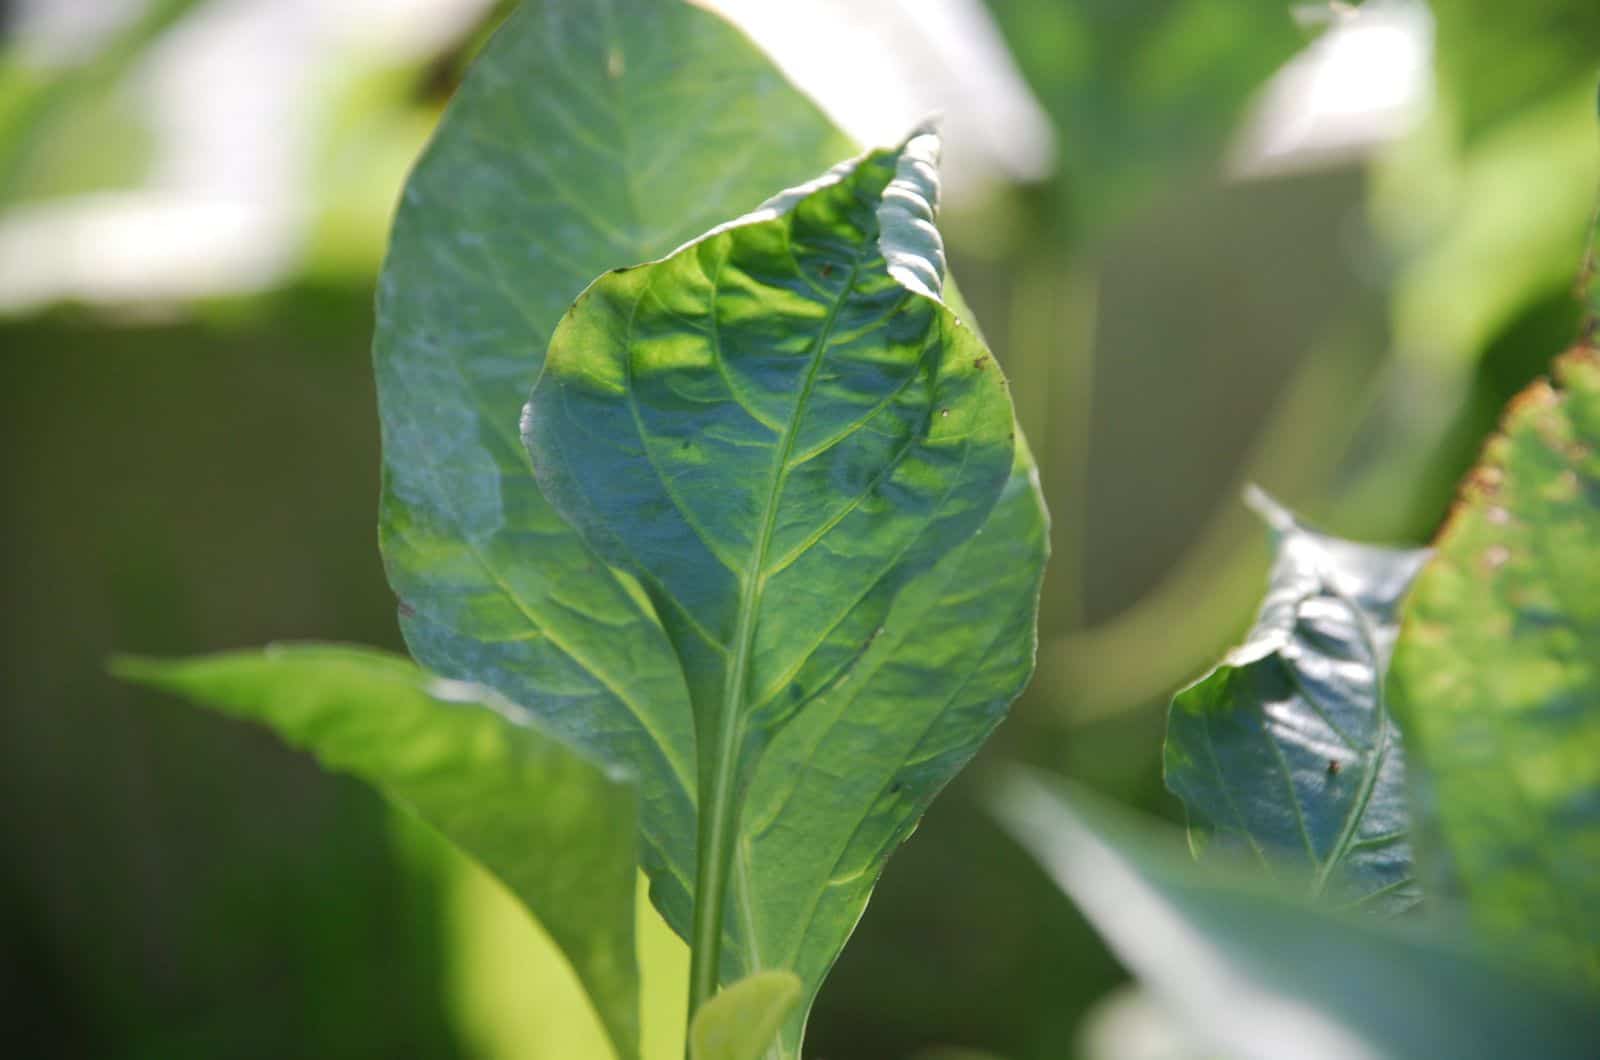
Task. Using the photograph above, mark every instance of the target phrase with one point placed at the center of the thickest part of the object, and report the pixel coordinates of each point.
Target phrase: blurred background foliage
(193, 199)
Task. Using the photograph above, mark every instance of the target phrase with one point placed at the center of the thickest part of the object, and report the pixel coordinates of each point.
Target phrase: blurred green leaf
(1496, 681)
(1286, 751)
(1140, 89)
(558, 830)
(743, 1020)
(34, 102)
(1263, 977)
(1499, 60)
(776, 429)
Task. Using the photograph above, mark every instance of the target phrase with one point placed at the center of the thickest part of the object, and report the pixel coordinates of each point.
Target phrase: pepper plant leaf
(1286, 750)
(470, 763)
(777, 428)
(1496, 677)
(1260, 975)
(590, 136)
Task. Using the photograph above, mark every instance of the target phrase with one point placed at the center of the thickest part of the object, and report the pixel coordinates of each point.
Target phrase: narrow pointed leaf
(741, 1022)
(1286, 750)
(558, 830)
(777, 429)
(588, 135)
(1496, 678)
(1262, 977)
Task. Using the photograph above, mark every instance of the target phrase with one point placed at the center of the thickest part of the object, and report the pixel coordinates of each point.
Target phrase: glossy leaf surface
(778, 428)
(1261, 977)
(1286, 750)
(742, 1021)
(1496, 677)
(471, 764)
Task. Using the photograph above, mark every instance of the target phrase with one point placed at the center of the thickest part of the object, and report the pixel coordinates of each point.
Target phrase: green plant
(769, 544)
(758, 573)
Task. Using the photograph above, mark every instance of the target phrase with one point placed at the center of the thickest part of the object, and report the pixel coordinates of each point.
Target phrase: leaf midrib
(719, 817)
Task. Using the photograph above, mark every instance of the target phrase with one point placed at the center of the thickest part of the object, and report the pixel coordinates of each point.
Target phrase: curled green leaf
(1286, 750)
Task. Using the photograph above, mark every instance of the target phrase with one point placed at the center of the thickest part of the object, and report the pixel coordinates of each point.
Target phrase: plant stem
(713, 862)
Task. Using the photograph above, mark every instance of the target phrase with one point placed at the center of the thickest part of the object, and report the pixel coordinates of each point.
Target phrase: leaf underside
(1286, 750)
(1496, 677)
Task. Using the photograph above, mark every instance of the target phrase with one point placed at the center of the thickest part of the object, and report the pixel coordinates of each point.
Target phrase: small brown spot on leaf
(1495, 556)
(406, 610)
(1334, 765)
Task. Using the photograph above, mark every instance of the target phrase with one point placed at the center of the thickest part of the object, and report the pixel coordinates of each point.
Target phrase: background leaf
(1496, 678)
(1286, 751)
(743, 1019)
(1262, 977)
(472, 765)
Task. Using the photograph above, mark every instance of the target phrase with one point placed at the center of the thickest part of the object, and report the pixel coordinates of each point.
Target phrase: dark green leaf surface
(1262, 977)
(472, 765)
(777, 429)
(1286, 751)
(588, 135)
(1496, 678)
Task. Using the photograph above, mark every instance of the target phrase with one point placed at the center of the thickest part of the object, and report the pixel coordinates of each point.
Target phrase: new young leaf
(1286, 750)
(742, 1021)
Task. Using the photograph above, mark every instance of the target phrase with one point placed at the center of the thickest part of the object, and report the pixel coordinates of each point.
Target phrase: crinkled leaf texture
(1286, 750)
(782, 431)
(1496, 677)
(1260, 976)
(590, 136)
(471, 764)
